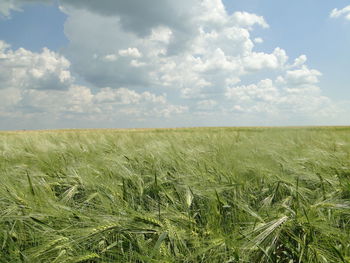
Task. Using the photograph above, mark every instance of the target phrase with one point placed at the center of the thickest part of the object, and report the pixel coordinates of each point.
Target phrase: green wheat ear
(84, 258)
(203, 195)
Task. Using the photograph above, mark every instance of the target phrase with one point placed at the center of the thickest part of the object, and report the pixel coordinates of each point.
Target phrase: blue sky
(36, 27)
(111, 63)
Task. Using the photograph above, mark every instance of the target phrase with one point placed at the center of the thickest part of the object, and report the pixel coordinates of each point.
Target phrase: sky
(165, 63)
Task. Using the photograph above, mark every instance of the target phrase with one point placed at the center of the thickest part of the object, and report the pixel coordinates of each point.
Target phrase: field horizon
(180, 128)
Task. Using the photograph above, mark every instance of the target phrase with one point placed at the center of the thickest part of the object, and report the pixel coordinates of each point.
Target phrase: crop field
(176, 195)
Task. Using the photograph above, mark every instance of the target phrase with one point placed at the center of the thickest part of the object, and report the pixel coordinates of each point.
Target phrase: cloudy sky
(166, 63)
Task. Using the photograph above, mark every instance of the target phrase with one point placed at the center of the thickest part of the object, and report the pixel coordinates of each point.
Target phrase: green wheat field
(176, 195)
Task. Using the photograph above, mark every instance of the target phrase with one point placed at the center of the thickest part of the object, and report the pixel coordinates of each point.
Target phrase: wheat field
(176, 195)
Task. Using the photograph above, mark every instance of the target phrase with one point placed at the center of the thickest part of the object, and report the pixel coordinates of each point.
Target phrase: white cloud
(211, 12)
(110, 57)
(299, 61)
(258, 40)
(345, 12)
(258, 61)
(40, 84)
(248, 20)
(294, 94)
(136, 64)
(76, 99)
(106, 103)
(170, 110)
(303, 76)
(126, 101)
(125, 96)
(218, 47)
(24, 69)
(161, 34)
(263, 91)
(130, 52)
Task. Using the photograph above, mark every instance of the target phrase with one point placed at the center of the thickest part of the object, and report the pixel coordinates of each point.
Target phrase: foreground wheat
(187, 195)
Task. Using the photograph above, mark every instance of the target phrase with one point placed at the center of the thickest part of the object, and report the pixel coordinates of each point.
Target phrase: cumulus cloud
(245, 19)
(130, 55)
(263, 91)
(110, 57)
(295, 93)
(258, 40)
(303, 76)
(25, 69)
(258, 61)
(130, 52)
(299, 61)
(125, 96)
(42, 84)
(218, 49)
(344, 12)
